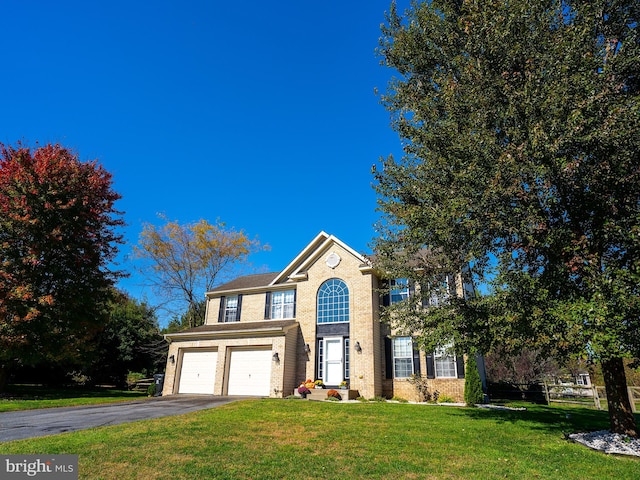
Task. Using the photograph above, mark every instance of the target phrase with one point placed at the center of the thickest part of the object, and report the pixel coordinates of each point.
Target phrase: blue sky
(260, 114)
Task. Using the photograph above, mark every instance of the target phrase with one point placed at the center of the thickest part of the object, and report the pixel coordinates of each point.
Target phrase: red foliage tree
(58, 235)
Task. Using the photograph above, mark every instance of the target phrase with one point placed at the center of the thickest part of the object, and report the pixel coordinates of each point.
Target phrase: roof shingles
(248, 281)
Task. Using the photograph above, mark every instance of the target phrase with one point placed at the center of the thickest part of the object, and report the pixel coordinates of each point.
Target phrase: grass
(282, 439)
(28, 397)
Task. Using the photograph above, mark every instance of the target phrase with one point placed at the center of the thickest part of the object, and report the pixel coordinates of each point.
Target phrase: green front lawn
(27, 397)
(282, 439)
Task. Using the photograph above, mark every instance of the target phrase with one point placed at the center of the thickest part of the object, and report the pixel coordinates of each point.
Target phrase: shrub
(445, 399)
(472, 384)
(421, 384)
(400, 399)
(151, 390)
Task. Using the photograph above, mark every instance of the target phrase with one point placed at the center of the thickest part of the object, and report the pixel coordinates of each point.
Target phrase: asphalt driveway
(51, 421)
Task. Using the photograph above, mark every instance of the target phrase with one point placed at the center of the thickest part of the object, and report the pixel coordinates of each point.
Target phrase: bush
(151, 390)
(445, 399)
(472, 384)
(421, 384)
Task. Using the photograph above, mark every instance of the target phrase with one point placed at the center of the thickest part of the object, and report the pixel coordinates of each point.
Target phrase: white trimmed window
(402, 357)
(333, 302)
(231, 309)
(283, 304)
(445, 363)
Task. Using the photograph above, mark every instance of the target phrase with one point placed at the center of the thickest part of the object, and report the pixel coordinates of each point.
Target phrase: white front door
(333, 361)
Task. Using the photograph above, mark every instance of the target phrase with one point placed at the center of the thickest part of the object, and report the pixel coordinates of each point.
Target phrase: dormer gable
(319, 246)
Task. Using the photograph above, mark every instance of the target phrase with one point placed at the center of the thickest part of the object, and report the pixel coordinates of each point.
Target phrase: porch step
(321, 394)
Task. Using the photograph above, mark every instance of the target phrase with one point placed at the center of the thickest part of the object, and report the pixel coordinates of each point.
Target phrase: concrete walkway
(52, 421)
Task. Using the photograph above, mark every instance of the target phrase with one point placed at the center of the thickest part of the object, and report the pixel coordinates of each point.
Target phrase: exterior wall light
(276, 357)
(307, 348)
(172, 359)
(358, 347)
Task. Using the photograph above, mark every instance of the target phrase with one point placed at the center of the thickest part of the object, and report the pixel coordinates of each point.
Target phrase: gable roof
(306, 257)
(296, 270)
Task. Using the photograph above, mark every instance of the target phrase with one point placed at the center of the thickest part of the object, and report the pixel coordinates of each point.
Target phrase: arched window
(333, 302)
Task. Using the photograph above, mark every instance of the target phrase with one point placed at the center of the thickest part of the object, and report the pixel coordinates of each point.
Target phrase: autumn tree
(58, 236)
(520, 122)
(185, 261)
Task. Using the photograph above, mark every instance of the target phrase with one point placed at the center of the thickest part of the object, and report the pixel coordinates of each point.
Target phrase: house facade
(318, 318)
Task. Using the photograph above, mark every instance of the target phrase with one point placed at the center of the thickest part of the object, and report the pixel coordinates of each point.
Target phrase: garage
(250, 372)
(198, 372)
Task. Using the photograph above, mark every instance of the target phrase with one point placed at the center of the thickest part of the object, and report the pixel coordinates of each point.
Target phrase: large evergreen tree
(521, 126)
(58, 235)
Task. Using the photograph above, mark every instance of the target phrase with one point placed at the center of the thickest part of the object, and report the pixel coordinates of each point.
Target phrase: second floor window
(333, 302)
(283, 304)
(438, 294)
(230, 308)
(399, 290)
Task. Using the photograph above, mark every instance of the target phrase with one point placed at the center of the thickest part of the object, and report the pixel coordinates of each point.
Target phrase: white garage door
(250, 372)
(198, 373)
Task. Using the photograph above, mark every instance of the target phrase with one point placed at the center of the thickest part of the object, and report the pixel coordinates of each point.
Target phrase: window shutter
(460, 365)
(386, 294)
(425, 298)
(295, 297)
(239, 308)
(388, 358)
(431, 368)
(221, 310)
(416, 358)
(267, 307)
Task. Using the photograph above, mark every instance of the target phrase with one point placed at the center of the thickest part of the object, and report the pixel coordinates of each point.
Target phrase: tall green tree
(520, 122)
(193, 317)
(130, 342)
(58, 236)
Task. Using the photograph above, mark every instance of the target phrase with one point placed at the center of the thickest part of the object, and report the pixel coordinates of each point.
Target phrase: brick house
(317, 319)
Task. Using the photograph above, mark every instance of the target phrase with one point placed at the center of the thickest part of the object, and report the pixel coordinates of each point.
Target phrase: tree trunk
(621, 416)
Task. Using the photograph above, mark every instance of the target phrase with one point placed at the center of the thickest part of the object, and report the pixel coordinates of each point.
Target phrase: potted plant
(344, 385)
(303, 391)
(318, 384)
(334, 394)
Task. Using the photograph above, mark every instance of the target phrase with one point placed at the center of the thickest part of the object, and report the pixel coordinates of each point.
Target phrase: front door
(333, 361)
